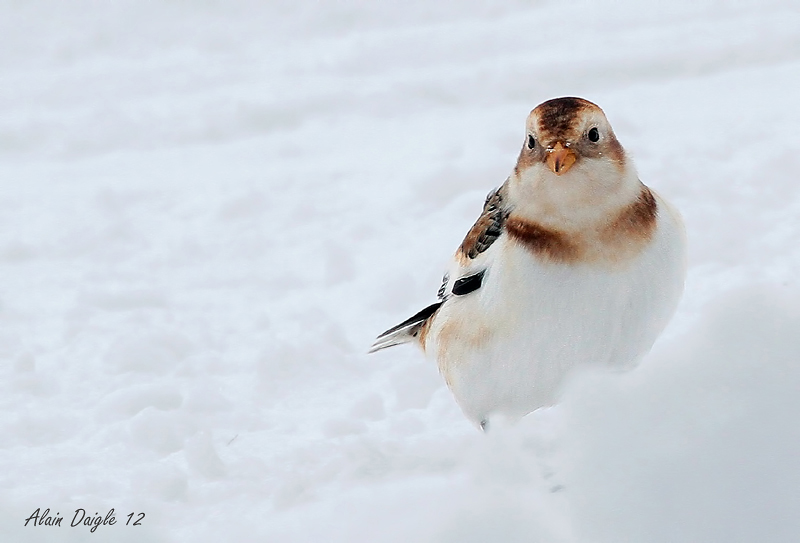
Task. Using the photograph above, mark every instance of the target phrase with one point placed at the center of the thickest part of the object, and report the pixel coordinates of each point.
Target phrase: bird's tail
(406, 331)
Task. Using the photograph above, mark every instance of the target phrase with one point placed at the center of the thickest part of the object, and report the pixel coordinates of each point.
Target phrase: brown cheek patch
(610, 149)
(527, 158)
(615, 151)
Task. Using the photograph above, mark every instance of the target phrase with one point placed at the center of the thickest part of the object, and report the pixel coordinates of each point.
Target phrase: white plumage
(572, 262)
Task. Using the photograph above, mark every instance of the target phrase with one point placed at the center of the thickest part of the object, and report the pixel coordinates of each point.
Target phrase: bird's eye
(594, 135)
(531, 142)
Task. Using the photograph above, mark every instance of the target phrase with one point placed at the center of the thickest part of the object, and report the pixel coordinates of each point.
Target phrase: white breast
(506, 348)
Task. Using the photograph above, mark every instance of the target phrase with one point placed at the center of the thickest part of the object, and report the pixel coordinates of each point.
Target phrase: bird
(573, 262)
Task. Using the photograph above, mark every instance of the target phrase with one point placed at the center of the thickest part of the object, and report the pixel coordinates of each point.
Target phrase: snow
(209, 210)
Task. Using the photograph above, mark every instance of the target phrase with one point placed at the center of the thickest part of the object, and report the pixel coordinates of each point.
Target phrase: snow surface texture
(209, 210)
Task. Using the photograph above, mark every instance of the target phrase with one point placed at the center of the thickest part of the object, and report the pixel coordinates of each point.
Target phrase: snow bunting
(573, 261)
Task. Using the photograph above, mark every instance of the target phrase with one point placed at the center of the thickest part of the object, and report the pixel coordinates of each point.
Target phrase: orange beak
(560, 159)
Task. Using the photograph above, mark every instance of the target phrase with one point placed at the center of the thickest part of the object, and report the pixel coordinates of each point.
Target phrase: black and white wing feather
(488, 227)
(480, 237)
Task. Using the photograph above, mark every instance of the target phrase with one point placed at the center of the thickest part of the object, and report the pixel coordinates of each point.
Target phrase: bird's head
(568, 132)
(571, 159)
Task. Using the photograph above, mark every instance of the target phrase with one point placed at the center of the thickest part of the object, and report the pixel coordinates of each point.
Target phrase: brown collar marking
(614, 242)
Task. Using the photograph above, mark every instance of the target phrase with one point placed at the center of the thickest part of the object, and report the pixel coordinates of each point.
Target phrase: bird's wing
(406, 331)
(467, 279)
(489, 225)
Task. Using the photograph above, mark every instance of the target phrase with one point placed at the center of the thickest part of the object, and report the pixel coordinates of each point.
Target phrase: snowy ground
(208, 211)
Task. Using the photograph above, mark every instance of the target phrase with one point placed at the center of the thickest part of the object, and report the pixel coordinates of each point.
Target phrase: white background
(209, 209)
